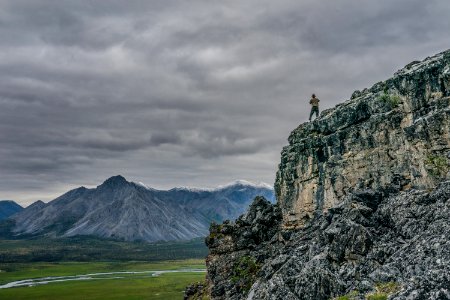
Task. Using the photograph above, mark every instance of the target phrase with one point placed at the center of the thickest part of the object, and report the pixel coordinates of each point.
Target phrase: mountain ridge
(8, 208)
(121, 209)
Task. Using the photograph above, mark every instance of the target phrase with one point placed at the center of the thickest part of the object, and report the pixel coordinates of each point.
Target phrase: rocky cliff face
(398, 130)
(375, 243)
(237, 249)
(363, 203)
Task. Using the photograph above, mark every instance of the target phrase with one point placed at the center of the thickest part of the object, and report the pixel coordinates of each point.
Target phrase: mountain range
(8, 208)
(132, 211)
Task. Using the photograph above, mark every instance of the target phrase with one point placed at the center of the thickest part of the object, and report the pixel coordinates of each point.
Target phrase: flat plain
(140, 283)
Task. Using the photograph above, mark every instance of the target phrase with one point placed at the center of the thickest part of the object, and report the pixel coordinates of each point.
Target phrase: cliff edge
(363, 203)
(397, 131)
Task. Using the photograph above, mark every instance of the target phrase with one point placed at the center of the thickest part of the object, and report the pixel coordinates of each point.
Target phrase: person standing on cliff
(314, 106)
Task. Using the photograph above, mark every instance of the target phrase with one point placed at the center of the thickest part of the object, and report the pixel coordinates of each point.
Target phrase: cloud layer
(184, 92)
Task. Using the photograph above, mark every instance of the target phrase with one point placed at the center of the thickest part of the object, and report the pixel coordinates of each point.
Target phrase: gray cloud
(184, 93)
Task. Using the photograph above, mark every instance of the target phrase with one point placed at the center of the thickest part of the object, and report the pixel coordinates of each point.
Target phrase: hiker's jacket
(314, 102)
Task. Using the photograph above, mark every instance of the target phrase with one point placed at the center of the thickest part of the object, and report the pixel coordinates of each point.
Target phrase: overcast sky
(184, 93)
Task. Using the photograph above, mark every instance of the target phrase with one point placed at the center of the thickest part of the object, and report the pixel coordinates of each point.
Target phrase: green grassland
(39, 257)
(84, 248)
(131, 286)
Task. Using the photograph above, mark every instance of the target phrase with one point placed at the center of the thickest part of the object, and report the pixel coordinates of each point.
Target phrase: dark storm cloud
(184, 92)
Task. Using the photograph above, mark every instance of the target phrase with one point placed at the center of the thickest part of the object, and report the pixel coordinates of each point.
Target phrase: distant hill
(131, 211)
(8, 208)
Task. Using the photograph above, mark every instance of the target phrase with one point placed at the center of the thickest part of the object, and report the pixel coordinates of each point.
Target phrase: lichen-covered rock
(238, 249)
(196, 291)
(395, 132)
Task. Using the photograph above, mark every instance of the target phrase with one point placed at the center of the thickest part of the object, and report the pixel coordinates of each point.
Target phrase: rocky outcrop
(363, 203)
(371, 239)
(396, 131)
(196, 291)
(238, 249)
(368, 240)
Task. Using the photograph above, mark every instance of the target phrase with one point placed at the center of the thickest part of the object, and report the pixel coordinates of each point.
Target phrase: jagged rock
(401, 238)
(370, 238)
(237, 249)
(195, 291)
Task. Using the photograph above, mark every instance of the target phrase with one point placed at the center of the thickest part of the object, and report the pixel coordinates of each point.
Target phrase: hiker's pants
(314, 109)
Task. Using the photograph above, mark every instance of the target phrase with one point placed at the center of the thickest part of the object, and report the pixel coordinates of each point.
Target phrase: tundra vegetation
(114, 286)
(437, 165)
(40, 257)
(391, 100)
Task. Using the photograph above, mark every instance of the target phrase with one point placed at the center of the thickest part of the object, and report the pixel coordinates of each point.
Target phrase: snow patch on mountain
(240, 182)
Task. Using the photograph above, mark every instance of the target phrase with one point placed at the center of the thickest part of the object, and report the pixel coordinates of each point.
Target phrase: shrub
(437, 165)
(377, 296)
(383, 290)
(215, 231)
(244, 272)
(350, 296)
(388, 287)
(390, 99)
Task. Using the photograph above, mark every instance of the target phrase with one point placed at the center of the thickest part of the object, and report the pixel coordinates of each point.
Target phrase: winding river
(93, 276)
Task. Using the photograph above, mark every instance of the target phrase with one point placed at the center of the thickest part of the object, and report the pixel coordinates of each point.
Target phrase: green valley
(100, 280)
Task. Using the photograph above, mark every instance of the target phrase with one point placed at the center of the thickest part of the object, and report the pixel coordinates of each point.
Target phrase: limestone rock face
(395, 133)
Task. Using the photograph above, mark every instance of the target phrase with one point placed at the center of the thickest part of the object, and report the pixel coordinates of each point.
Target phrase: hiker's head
(313, 95)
